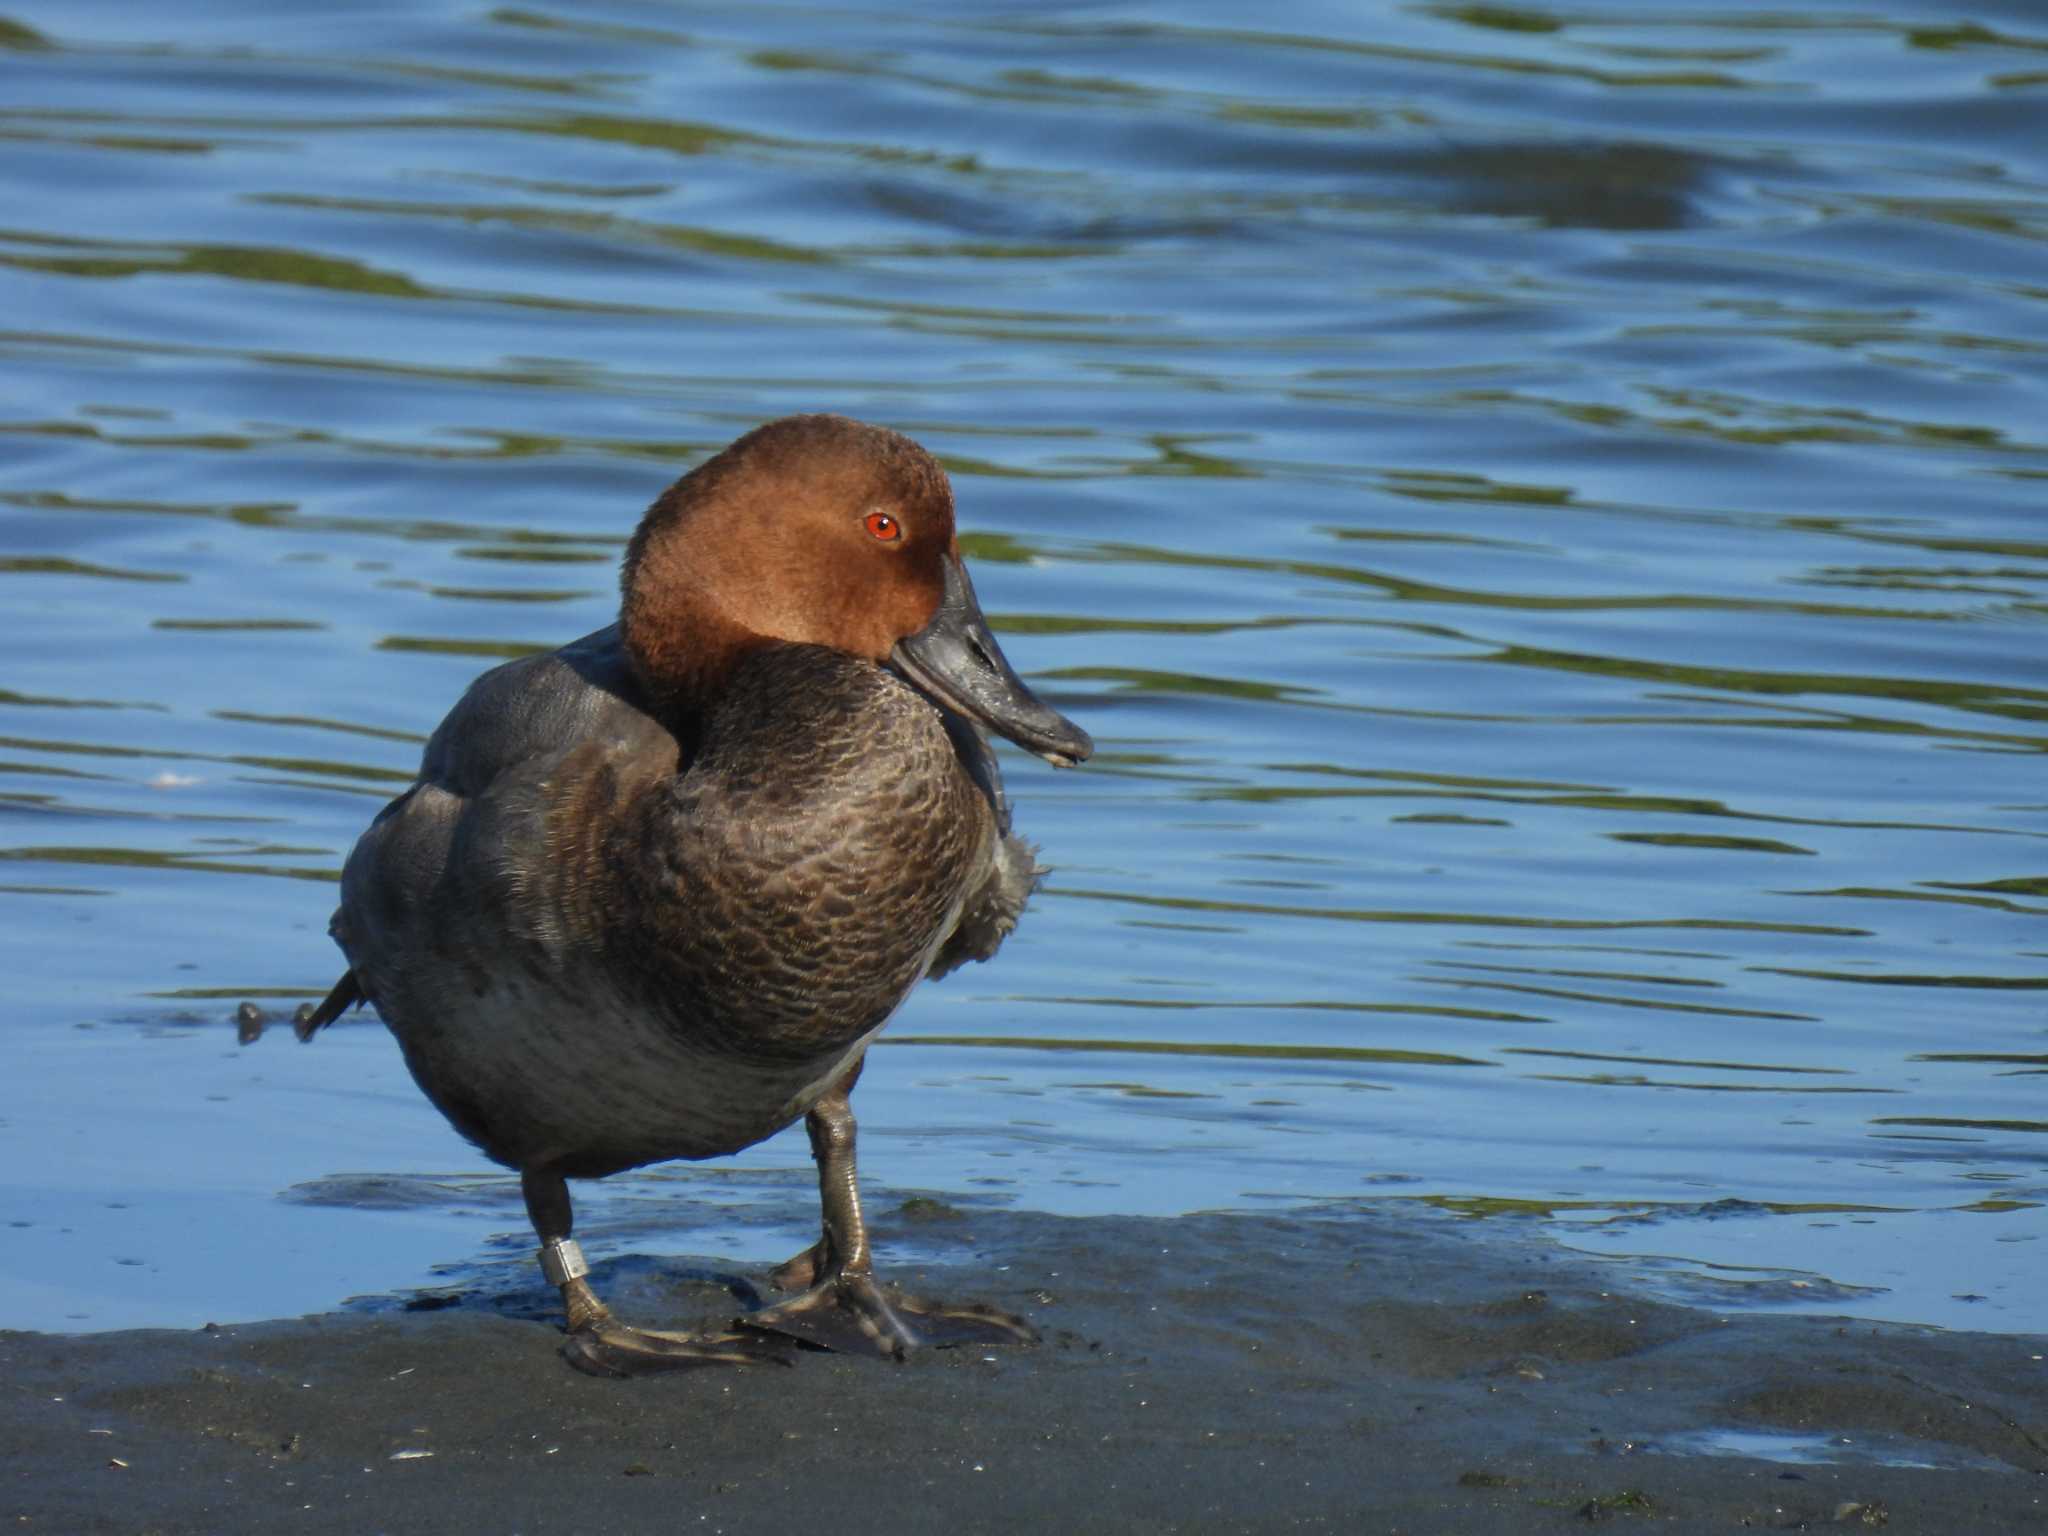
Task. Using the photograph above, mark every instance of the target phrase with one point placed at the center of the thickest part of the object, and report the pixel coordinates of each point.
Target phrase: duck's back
(601, 946)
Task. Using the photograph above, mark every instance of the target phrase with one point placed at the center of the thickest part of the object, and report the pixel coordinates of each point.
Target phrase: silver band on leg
(562, 1261)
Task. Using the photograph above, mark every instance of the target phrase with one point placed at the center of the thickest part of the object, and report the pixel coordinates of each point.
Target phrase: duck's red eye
(883, 526)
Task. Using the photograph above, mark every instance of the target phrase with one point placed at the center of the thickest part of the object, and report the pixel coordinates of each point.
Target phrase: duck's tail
(347, 993)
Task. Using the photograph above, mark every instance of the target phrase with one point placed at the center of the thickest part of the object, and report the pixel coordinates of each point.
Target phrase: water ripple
(1540, 509)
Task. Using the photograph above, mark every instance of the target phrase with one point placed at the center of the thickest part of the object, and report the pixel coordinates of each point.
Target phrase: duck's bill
(957, 661)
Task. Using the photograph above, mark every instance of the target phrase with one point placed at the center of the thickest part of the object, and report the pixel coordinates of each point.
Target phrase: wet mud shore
(1343, 1371)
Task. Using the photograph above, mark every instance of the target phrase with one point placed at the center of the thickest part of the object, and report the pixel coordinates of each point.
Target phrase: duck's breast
(804, 872)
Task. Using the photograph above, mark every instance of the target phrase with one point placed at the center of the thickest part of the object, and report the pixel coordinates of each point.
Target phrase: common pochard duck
(655, 893)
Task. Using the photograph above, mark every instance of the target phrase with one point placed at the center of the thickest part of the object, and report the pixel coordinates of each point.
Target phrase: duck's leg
(843, 1307)
(806, 1269)
(598, 1343)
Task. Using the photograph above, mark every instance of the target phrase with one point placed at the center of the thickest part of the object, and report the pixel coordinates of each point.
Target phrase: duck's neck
(682, 650)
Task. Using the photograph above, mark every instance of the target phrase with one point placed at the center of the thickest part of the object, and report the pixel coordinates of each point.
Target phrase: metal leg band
(562, 1261)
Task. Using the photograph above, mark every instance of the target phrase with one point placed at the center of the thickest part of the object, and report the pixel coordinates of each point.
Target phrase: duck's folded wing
(530, 710)
(993, 907)
(470, 840)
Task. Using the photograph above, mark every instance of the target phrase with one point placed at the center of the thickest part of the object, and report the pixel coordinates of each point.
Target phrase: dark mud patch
(1230, 1373)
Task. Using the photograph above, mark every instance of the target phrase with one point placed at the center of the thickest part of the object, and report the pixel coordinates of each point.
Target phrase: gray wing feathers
(443, 846)
(530, 710)
(992, 911)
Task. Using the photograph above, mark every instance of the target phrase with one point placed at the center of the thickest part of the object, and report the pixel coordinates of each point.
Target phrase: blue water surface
(1541, 508)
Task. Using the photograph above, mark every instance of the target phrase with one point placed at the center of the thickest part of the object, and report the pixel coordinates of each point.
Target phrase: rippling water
(1541, 508)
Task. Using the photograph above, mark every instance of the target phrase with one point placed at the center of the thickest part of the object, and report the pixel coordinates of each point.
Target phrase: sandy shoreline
(1213, 1373)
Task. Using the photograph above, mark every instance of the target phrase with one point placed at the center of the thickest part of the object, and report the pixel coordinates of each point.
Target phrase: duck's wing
(993, 907)
(469, 836)
(529, 709)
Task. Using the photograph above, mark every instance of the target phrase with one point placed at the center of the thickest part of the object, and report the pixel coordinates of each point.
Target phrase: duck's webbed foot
(612, 1349)
(801, 1272)
(599, 1344)
(842, 1306)
(851, 1312)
